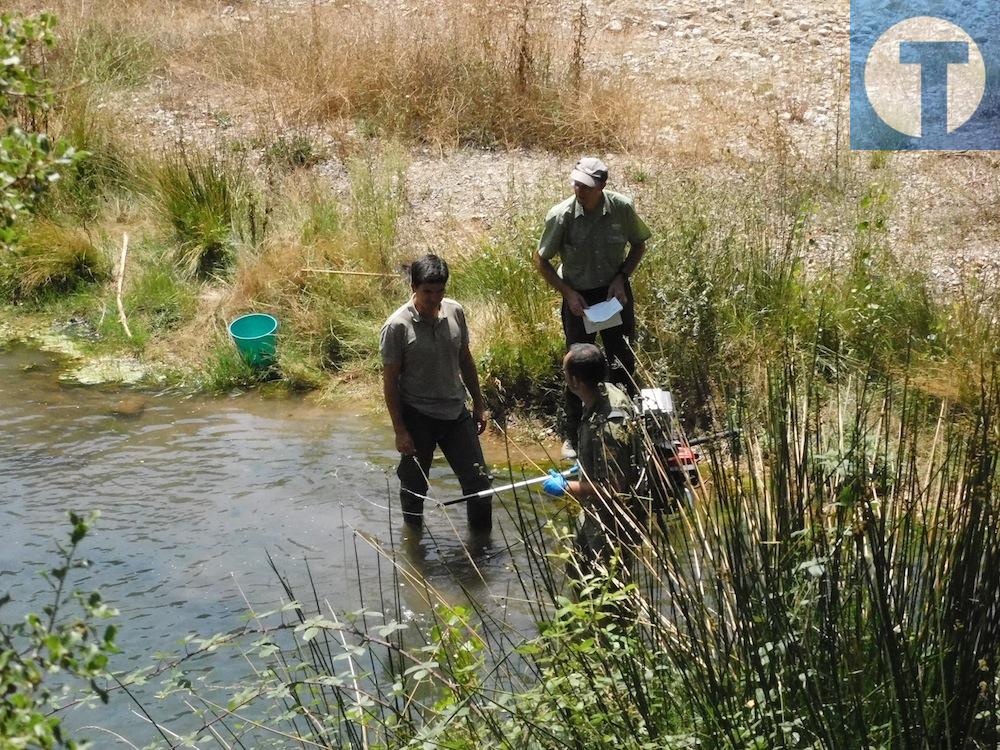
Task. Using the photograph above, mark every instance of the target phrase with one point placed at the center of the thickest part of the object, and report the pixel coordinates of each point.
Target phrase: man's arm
(573, 298)
(617, 286)
(390, 390)
(631, 263)
(470, 377)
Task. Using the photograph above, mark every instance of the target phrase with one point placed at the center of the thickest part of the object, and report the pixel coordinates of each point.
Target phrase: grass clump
(295, 151)
(210, 202)
(108, 52)
(111, 170)
(51, 259)
(157, 302)
(226, 370)
(377, 202)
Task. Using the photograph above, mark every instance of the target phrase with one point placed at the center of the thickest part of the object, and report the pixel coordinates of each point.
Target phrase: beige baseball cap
(590, 171)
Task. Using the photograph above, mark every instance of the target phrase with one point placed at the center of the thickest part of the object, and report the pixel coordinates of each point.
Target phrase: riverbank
(229, 210)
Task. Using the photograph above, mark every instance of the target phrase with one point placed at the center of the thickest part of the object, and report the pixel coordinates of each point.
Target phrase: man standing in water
(426, 369)
(589, 231)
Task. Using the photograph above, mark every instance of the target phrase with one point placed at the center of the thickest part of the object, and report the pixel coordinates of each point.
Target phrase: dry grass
(458, 74)
(488, 74)
(54, 258)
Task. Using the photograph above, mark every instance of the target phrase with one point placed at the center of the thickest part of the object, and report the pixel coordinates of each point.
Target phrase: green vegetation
(833, 586)
(113, 173)
(50, 259)
(43, 649)
(209, 201)
(107, 51)
(29, 161)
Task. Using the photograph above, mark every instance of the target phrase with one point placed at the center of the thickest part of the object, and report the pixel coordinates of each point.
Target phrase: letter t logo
(933, 59)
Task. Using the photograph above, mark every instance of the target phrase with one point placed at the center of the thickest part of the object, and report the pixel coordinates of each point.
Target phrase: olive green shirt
(607, 459)
(604, 441)
(428, 352)
(591, 247)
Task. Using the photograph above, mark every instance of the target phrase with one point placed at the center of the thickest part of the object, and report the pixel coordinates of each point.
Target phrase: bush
(29, 161)
(43, 649)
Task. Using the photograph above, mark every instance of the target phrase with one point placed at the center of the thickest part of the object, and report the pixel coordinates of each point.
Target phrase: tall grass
(833, 586)
(114, 169)
(308, 272)
(454, 74)
(51, 259)
(210, 201)
(514, 314)
(107, 50)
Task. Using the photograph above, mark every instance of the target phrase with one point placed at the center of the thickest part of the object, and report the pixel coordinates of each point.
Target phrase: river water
(194, 493)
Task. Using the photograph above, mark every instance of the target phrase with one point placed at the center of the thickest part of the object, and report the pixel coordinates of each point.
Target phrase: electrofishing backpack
(670, 464)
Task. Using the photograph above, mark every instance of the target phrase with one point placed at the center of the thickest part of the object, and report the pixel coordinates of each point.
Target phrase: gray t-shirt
(428, 352)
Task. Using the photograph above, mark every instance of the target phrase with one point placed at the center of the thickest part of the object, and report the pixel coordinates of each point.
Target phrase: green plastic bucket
(255, 336)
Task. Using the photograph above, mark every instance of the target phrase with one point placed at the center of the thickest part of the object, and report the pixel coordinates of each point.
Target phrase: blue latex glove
(555, 485)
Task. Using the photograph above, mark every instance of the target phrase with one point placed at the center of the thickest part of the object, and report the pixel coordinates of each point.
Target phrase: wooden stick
(121, 284)
(350, 273)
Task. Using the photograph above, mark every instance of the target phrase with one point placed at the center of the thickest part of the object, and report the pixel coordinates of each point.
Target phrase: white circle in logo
(894, 89)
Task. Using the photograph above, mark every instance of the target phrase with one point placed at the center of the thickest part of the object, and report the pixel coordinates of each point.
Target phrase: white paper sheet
(602, 315)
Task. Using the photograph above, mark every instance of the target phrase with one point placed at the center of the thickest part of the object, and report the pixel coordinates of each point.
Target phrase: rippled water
(193, 493)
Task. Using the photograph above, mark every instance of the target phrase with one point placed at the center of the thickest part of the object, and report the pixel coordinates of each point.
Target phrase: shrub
(295, 151)
(29, 161)
(42, 650)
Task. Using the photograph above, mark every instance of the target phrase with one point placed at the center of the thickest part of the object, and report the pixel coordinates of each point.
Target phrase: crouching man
(606, 449)
(426, 370)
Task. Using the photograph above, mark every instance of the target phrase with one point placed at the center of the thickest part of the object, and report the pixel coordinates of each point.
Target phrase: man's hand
(480, 417)
(404, 443)
(617, 289)
(555, 485)
(577, 304)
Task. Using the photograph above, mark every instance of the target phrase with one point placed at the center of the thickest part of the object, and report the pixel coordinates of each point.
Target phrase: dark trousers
(459, 442)
(617, 343)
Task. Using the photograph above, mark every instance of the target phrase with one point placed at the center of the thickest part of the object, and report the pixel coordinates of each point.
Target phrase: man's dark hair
(429, 269)
(588, 363)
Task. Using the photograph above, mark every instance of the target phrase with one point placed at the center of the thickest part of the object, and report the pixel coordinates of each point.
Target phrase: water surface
(195, 492)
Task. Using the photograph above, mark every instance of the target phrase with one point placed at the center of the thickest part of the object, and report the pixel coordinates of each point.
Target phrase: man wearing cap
(589, 232)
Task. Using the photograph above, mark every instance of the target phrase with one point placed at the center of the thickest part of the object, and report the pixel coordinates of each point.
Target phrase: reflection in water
(194, 493)
(459, 562)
